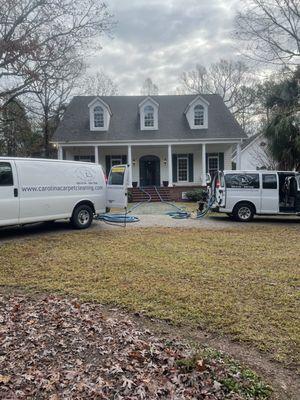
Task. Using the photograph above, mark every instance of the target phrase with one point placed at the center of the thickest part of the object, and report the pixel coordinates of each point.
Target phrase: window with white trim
(115, 160)
(182, 168)
(198, 115)
(213, 165)
(149, 116)
(98, 117)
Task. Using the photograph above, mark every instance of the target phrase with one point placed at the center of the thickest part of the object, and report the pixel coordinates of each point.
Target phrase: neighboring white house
(255, 154)
(166, 140)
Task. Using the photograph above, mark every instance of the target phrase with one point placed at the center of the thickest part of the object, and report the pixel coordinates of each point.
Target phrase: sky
(162, 38)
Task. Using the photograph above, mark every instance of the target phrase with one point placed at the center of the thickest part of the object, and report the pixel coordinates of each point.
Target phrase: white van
(242, 194)
(33, 190)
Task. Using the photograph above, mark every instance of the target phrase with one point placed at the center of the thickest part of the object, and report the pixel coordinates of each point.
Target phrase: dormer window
(149, 116)
(148, 110)
(198, 115)
(98, 117)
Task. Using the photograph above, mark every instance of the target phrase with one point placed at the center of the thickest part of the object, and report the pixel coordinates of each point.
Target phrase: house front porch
(179, 167)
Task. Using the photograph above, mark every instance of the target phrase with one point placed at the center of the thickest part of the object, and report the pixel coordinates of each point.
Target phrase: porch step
(139, 195)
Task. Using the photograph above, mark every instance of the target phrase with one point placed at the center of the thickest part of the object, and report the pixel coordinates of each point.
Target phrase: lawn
(241, 282)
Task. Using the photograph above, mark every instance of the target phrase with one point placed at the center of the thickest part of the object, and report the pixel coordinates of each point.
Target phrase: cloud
(162, 38)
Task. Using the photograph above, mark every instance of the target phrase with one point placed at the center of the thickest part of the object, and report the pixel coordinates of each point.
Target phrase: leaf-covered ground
(55, 348)
(243, 282)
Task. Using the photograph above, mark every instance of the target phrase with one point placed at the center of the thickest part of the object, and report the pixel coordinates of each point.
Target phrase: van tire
(82, 217)
(243, 212)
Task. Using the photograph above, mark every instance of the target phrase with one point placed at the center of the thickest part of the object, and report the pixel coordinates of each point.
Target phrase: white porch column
(238, 157)
(203, 164)
(129, 162)
(96, 155)
(170, 166)
(60, 152)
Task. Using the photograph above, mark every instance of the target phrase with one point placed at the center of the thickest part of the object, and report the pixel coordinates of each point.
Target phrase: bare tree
(99, 84)
(194, 81)
(149, 88)
(230, 79)
(50, 94)
(270, 30)
(37, 33)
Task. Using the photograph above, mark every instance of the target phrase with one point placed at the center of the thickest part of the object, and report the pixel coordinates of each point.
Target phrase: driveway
(150, 215)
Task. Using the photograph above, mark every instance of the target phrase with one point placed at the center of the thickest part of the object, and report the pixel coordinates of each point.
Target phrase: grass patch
(242, 282)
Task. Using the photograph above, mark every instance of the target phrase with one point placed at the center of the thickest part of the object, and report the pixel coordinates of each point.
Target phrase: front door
(9, 196)
(149, 171)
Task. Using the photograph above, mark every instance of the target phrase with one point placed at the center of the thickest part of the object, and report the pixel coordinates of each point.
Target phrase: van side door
(269, 193)
(116, 189)
(9, 194)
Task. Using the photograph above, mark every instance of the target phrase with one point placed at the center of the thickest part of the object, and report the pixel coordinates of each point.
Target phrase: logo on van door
(86, 175)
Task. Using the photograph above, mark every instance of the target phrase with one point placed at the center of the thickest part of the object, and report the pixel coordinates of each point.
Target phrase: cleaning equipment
(210, 201)
(117, 218)
(182, 214)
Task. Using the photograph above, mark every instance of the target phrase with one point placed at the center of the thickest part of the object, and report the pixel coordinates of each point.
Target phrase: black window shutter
(206, 155)
(191, 167)
(124, 159)
(107, 164)
(76, 158)
(174, 167)
(221, 161)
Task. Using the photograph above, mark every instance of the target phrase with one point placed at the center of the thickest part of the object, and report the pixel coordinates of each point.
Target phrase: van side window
(269, 181)
(242, 181)
(6, 175)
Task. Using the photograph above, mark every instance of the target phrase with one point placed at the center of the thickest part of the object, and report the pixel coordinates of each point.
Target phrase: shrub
(197, 195)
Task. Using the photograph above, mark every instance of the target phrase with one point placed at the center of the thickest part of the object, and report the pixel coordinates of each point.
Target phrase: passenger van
(33, 190)
(242, 194)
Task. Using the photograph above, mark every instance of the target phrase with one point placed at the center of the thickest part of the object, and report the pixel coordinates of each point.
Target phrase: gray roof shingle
(124, 123)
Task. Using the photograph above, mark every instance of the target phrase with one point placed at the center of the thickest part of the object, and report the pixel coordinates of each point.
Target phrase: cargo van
(242, 194)
(33, 190)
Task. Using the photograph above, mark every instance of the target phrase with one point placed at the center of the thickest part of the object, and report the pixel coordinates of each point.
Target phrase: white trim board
(146, 143)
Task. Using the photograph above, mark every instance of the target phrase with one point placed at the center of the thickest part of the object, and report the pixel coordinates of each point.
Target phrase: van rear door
(220, 190)
(269, 193)
(9, 194)
(116, 190)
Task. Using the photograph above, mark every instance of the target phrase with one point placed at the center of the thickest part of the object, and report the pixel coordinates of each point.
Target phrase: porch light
(165, 161)
(133, 162)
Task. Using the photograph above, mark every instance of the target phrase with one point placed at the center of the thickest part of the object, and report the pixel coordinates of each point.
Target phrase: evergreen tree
(16, 135)
(283, 130)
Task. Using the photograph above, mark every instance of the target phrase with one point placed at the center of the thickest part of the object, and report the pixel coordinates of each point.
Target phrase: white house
(255, 154)
(166, 140)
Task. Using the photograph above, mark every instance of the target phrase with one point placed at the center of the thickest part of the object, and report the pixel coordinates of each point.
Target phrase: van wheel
(82, 217)
(243, 212)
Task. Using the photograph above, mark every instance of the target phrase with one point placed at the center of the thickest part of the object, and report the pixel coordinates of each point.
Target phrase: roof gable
(150, 100)
(98, 100)
(198, 99)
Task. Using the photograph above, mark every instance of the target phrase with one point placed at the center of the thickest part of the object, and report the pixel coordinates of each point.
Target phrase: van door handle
(16, 192)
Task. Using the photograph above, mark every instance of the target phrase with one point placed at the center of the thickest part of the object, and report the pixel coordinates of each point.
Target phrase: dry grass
(240, 282)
